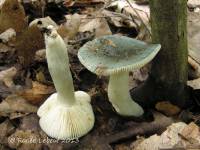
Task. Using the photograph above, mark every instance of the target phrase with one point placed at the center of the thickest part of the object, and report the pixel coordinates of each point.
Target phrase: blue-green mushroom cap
(112, 54)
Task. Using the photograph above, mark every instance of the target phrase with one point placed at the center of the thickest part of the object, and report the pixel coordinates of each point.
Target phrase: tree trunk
(169, 70)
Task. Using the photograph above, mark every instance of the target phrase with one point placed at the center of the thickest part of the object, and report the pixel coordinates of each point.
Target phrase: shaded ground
(18, 119)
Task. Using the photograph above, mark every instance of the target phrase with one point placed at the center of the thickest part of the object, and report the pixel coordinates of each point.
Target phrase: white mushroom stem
(58, 64)
(65, 114)
(119, 96)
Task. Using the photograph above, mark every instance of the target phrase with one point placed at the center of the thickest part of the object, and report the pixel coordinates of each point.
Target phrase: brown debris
(7, 76)
(191, 133)
(71, 27)
(37, 94)
(194, 68)
(111, 132)
(24, 140)
(6, 129)
(193, 3)
(195, 84)
(144, 128)
(5, 49)
(96, 24)
(30, 122)
(12, 16)
(178, 136)
(167, 108)
(28, 43)
(8, 35)
(40, 55)
(14, 107)
(104, 142)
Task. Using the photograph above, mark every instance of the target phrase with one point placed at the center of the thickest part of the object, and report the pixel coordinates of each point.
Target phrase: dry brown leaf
(177, 136)
(8, 35)
(4, 48)
(195, 68)
(168, 139)
(194, 35)
(7, 76)
(30, 122)
(122, 147)
(40, 55)
(69, 3)
(195, 84)
(6, 129)
(12, 16)
(138, 76)
(15, 105)
(40, 77)
(24, 140)
(28, 43)
(97, 25)
(37, 94)
(191, 132)
(118, 19)
(137, 141)
(71, 27)
(139, 14)
(1, 3)
(89, 25)
(149, 143)
(103, 28)
(193, 3)
(167, 108)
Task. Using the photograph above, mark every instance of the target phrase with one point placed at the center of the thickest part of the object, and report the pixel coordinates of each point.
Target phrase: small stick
(138, 16)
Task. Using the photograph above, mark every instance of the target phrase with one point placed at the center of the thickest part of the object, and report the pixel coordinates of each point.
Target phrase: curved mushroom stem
(58, 64)
(119, 96)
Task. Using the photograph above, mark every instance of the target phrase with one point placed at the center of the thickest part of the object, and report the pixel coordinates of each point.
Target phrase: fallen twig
(139, 17)
(157, 126)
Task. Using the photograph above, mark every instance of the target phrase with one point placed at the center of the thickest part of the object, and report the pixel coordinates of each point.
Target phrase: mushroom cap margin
(112, 54)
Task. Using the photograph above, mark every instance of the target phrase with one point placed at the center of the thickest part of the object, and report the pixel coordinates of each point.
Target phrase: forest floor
(25, 82)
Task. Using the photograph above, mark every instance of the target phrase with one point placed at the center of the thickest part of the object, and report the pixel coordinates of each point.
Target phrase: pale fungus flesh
(115, 56)
(65, 114)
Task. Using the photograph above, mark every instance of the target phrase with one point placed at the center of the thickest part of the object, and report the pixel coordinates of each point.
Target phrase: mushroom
(65, 114)
(115, 56)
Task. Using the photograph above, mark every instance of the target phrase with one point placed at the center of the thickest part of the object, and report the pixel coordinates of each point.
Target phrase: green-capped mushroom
(65, 114)
(115, 56)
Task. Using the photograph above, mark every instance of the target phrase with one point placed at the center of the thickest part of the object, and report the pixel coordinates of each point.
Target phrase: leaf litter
(23, 55)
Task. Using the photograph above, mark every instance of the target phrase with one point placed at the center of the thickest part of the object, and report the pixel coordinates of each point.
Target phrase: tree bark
(169, 24)
(169, 70)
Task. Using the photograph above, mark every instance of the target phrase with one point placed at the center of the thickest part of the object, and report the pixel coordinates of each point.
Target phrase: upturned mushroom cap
(69, 123)
(111, 54)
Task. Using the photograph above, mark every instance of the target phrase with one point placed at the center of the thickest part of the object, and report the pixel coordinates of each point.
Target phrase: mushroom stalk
(65, 114)
(119, 96)
(58, 64)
